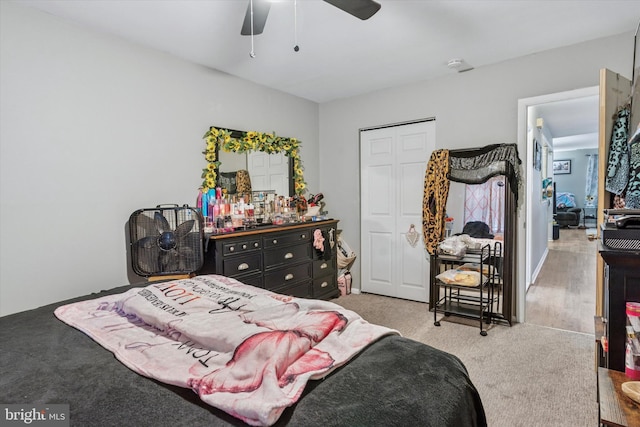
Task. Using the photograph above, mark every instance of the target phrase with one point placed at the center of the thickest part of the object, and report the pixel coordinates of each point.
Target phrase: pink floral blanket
(245, 350)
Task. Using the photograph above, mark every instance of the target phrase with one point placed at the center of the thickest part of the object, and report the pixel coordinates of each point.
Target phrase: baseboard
(535, 273)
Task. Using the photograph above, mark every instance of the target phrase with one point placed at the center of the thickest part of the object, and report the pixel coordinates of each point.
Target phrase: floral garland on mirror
(251, 141)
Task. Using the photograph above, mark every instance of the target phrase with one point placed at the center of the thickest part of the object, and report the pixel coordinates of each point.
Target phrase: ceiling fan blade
(260, 13)
(363, 9)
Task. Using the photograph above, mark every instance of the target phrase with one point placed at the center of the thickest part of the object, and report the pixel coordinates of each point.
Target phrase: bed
(391, 381)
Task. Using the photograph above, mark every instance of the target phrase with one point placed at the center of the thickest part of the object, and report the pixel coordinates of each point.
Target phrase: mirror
(266, 171)
(239, 148)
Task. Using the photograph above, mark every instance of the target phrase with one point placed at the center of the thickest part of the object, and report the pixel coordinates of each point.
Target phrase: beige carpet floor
(527, 375)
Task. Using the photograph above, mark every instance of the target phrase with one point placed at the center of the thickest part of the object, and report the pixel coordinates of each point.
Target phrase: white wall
(541, 209)
(472, 109)
(88, 122)
(576, 181)
(93, 128)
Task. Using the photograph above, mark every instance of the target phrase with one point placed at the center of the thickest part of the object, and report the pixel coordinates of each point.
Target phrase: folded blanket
(565, 200)
(245, 350)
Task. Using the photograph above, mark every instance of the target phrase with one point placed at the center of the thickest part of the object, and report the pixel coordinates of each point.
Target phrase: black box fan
(166, 240)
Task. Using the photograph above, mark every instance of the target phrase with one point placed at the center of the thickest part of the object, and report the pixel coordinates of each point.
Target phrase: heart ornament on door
(412, 236)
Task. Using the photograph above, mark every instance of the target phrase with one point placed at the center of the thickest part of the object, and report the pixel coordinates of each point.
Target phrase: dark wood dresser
(280, 258)
(621, 284)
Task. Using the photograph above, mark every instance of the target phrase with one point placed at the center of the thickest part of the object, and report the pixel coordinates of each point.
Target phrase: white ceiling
(341, 56)
(573, 124)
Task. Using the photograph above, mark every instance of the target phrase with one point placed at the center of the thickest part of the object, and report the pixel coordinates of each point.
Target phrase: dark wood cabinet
(280, 258)
(621, 284)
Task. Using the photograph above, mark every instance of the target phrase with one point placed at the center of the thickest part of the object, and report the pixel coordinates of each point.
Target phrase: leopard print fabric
(243, 182)
(618, 165)
(434, 201)
(633, 190)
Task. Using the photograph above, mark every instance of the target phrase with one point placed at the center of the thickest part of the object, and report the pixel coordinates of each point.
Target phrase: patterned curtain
(434, 201)
(477, 165)
(591, 187)
(485, 202)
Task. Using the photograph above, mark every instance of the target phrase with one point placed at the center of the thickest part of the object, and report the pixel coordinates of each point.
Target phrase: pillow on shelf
(461, 278)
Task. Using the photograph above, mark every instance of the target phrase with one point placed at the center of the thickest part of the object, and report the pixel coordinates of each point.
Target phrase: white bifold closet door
(393, 161)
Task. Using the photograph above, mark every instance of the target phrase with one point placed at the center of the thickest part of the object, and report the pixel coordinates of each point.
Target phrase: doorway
(539, 214)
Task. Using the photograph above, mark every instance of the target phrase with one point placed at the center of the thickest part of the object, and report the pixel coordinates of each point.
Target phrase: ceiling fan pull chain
(296, 48)
(252, 53)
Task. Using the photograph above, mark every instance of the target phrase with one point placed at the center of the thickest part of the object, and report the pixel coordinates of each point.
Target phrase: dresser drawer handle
(324, 284)
(303, 236)
(256, 244)
(243, 266)
(288, 276)
(288, 255)
(244, 246)
(275, 241)
(232, 248)
(324, 265)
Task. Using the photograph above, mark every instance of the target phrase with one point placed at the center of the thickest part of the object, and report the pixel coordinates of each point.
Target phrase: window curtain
(485, 202)
(477, 165)
(591, 187)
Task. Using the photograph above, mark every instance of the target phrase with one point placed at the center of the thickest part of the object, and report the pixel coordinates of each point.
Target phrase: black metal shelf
(473, 302)
(466, 307)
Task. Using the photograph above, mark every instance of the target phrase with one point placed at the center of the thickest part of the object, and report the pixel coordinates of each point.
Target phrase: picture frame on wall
(561, 167)
(537, 155)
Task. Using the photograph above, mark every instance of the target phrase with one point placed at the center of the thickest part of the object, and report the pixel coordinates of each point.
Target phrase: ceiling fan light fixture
(255, 17)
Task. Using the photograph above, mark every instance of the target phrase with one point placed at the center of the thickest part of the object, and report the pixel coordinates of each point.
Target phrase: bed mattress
(394, 381)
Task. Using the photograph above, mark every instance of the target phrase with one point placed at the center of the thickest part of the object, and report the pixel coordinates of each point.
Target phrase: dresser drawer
(235, 247)
(299, 290)
(241, 265)
(324, 285)
(279, 257)
(287, 239)
(322, 267)
(281, 277)
(254, 279)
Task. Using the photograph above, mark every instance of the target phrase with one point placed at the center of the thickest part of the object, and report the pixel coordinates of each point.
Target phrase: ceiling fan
(362, 9)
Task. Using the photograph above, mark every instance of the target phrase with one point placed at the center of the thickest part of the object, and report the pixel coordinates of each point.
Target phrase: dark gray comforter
(394, 382)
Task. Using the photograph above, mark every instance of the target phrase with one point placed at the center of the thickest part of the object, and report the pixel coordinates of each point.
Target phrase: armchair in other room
(568, 217)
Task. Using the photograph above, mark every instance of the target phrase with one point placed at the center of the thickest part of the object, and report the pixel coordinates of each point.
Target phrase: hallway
(564, 295)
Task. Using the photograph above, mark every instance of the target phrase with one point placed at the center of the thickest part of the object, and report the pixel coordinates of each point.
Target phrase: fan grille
(166, 241)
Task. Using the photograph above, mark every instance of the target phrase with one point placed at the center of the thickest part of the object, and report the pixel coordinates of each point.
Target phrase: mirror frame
(234, 141)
